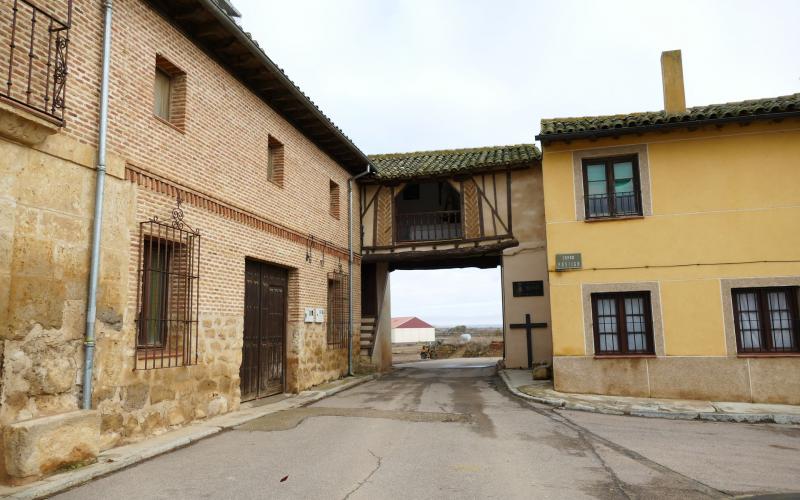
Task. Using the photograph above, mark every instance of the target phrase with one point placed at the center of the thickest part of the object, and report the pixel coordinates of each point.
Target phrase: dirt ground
(484, 343)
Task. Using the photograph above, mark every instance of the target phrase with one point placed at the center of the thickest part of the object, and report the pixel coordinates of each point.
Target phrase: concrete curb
(748, 418)
(115, 459)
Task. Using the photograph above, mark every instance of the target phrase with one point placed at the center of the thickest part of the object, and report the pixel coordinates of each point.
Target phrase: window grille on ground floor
(168, 294)
(766, 319)
(338, 310)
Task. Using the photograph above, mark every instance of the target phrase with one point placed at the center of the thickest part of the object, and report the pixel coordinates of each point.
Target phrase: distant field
(456, 331)
(485, 342)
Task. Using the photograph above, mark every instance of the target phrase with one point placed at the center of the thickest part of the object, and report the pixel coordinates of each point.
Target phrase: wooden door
(262, 369)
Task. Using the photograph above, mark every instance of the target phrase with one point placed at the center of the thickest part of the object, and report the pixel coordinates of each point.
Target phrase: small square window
(334, 199)
(275, 157)
(169, 93)
(611, 187)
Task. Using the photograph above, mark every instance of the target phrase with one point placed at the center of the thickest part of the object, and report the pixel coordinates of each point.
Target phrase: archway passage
(454, 209)
(446, 314)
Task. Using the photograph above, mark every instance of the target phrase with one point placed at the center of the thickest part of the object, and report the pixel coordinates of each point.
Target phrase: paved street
(447, 429)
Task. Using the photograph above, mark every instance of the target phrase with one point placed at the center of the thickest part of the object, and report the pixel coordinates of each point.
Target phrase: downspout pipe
(94, 269)
(350, 182)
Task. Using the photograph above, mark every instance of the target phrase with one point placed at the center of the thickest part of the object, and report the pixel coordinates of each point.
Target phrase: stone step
(368, 321)
(367, 328)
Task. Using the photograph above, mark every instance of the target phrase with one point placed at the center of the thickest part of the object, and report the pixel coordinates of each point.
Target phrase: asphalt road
(447, 429)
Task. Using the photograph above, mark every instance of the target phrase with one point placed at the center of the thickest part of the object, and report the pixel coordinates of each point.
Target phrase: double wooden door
(262, 372)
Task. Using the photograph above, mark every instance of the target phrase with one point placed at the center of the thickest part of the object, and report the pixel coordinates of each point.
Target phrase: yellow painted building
(687, 222)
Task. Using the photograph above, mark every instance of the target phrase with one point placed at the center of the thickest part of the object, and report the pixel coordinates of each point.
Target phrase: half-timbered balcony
(35, 42)
(441, 208)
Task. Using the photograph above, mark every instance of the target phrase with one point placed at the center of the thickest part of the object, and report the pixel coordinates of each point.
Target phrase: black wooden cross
(529, 326)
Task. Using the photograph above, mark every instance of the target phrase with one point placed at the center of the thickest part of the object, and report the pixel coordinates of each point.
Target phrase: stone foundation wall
(136, 403)
(46, 202)
(756, 380)
(310, 361)
(46, 208)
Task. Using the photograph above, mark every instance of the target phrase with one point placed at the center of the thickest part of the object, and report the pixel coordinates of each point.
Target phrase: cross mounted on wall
(528, 326)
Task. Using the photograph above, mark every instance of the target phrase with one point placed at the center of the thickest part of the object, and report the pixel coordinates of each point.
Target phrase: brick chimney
(672, 80)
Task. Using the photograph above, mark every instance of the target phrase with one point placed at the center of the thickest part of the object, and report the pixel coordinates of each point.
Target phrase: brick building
(224, 254)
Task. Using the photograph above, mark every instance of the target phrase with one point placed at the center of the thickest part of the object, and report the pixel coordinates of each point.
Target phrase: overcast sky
(433, 74)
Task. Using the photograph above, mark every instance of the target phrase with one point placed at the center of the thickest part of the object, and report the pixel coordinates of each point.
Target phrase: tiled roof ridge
(449, 152)
(446, 162)
(687, 112)
(733, 109)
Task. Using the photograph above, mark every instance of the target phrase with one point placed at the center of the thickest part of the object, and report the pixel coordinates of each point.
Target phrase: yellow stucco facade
(721, 210)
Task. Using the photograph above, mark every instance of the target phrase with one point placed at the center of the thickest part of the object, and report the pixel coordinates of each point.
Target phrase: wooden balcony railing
(429, 226)
(35, 43)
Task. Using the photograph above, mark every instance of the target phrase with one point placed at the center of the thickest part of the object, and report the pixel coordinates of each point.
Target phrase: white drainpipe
(91, 300)
(350, 266)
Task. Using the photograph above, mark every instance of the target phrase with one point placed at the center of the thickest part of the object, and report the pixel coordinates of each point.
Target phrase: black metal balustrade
(36, 43)
(613, 204)
(429, 226)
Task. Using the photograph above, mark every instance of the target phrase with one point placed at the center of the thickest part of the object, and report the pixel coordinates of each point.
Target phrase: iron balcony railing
(429, 226)
(35, 42)
(613, 205)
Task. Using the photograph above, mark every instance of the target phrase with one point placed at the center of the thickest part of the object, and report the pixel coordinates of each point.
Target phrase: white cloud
(445, 297)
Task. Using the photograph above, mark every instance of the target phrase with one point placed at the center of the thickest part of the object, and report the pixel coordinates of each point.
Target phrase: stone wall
(46, 193)
(44, 257)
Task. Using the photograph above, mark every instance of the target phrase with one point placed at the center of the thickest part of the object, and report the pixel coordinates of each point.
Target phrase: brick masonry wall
(223, 150)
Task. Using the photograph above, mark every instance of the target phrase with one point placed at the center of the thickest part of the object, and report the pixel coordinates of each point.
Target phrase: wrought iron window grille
(168, 295)
(338, 310)
(38, 46)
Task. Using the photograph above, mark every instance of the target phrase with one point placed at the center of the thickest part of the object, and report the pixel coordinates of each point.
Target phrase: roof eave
(615, 132)
(521, 165)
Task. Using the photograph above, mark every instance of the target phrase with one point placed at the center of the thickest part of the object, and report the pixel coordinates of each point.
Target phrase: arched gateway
(478, 207)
